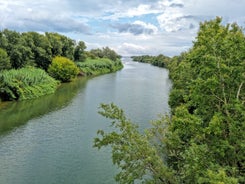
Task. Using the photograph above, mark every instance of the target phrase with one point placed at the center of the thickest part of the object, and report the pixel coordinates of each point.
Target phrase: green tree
(105, 52)
(63, 69)
(68, 46)
(40, 47)
(56, 44)
(61, 45)
(79, 52)
(4, 60)
(203, 141)
(20, 54)
(132, 152)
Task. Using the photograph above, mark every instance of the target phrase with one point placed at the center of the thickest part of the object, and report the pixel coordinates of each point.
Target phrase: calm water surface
(49, 140)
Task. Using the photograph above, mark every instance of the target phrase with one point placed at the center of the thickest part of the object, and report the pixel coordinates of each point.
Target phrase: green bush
(63, 69)
(25, 83)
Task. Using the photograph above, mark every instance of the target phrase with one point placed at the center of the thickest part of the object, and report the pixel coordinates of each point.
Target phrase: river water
(49, 140)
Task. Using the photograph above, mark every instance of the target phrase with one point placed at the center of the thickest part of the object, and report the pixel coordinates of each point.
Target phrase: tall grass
(25, 83)
(99, 66)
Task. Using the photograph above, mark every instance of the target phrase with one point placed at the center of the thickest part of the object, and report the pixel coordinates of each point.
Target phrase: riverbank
(31, 82)
(99, 66)
(50, 139)
(29, 59)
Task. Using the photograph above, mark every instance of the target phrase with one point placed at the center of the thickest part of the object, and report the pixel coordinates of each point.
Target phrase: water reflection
(14, 114)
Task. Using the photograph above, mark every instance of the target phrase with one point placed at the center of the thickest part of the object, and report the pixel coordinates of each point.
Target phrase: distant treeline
(159, 60)
(57, 55)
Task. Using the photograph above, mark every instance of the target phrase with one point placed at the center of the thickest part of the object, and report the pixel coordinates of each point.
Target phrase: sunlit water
(49, 140)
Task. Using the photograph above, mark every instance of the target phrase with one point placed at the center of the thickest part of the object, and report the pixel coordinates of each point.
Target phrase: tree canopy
(202, 140)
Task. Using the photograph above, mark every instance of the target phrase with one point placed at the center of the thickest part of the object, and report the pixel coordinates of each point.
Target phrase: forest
(202, 140)
(34, 64)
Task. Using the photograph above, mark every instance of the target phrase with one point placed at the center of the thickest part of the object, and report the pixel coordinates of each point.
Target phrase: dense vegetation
(63, 69)
(203, 139)
(159, 60)
(25, 83)
(99, 66)
(53, 53)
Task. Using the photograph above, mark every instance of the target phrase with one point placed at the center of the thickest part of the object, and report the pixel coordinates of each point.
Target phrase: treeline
(203, 140)
(57, 55)
(159, 60)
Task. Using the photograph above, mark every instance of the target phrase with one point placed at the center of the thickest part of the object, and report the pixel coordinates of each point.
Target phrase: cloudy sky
(130, 27)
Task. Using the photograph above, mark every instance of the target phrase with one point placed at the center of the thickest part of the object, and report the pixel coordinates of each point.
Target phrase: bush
(63, 69)
(25, 83)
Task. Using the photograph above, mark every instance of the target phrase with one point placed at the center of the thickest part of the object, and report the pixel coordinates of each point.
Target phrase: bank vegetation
(202, 140)
(33, 64)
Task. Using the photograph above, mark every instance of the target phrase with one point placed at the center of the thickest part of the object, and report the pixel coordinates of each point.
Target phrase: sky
(130, 27)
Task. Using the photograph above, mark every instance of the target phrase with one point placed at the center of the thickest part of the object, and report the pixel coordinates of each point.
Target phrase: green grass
(99, 66)
(25, 83)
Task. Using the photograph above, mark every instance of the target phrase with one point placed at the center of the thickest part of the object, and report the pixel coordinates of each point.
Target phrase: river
(49, 140)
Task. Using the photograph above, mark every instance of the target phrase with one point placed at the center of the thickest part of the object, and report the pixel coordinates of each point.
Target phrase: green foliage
(132, 151)
(61, 45)
(209, 80)
(25, 83)
(203, 141)
(79, 53)
(4, 60)
(105, 52)
(159, 60)
(40, 47)
(99, 66)
(34, 49)
(63, 69)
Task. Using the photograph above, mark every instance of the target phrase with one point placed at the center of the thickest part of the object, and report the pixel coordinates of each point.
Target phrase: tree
(132, 152)
(203, 139)
(4, 60)
(21, 56)
(105, 52)
(55, 42)
(79, 53)
(61, 45)
(63, 69)
(41, 48)
(68, 46)
(109, 53)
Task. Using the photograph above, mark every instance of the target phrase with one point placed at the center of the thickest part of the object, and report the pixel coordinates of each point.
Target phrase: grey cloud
(175, 5)
(134, 28)
(96, 6)
(49, 25)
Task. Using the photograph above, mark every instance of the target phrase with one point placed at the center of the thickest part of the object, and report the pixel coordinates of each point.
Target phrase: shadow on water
(15, 114)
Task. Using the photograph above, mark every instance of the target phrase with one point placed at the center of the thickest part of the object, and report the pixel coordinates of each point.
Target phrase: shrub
(63, 69)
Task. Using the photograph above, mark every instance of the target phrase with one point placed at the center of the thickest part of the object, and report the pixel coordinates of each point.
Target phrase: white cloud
(131, 27)
(127, 49)
(141, 9)
(136, 28)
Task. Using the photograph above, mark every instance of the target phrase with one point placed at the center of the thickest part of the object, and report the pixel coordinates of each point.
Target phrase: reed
(25, 83)
(99, 66)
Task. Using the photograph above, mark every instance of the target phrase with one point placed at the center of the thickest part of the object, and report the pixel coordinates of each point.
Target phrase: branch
(239, 90)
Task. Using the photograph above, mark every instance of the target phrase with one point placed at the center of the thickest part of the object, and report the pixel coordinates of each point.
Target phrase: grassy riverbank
(26, 83)
(32, 63)
(99, 66)
(31, 82)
